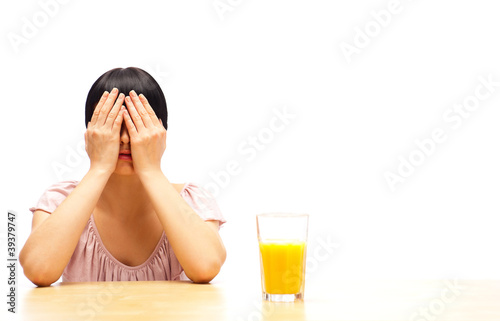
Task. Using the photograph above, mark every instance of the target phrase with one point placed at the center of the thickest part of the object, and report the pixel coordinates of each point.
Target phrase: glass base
(282, 297)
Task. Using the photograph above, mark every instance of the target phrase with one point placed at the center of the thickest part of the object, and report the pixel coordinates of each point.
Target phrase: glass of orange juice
(283, 244)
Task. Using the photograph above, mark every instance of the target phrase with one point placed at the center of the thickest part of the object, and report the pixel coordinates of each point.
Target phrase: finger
(134, 114)
(115, 111)
(97, 109)
(132, 130)
(146, 119)
(117, 123)
(85, 137)
(149, 109)
(108, 104)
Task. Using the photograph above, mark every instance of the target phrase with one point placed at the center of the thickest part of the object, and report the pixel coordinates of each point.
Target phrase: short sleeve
(203, 203)
(54, 195)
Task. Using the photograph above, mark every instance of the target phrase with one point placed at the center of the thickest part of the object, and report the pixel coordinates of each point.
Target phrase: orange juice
(282, 264)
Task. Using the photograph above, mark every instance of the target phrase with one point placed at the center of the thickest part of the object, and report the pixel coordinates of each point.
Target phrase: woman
(124, 220)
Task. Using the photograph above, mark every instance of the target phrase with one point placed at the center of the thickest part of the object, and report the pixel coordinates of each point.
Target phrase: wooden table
(326, 300)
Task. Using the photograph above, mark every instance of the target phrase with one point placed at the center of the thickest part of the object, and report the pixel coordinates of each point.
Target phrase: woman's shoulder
(193, 189)
(54, 195)
(179, 187)
(202, 201)
(62, 187)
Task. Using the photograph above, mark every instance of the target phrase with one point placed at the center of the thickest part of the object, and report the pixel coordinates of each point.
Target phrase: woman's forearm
(197, 246)
(51, 245)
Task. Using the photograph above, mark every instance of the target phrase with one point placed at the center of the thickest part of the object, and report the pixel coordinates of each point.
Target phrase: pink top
(91, 261)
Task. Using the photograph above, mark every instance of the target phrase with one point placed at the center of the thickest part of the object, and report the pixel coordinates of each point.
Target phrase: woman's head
(127, 79)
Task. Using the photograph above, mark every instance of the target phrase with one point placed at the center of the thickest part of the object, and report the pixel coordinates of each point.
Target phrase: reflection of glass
(283, 243)
(284, 311)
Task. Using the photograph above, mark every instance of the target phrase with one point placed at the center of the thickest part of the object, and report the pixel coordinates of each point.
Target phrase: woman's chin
(124, 168)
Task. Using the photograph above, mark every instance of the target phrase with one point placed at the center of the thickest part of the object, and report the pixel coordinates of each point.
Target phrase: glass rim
(282, 214)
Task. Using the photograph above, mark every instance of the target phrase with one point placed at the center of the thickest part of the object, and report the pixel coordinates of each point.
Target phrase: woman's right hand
(102, 138)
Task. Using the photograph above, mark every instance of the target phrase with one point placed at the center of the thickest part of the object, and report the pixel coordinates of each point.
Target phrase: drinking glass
(283, 244)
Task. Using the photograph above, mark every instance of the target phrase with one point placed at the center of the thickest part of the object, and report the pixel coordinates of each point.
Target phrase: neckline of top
(121, 264)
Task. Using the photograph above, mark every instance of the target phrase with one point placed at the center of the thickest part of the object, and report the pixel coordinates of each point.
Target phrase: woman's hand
(102, 138)
(147, 134)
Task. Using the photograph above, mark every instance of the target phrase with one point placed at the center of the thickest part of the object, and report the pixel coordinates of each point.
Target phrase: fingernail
(127, 99)
(133, 94)
(121, 95)
(142, 96)
(114, 91)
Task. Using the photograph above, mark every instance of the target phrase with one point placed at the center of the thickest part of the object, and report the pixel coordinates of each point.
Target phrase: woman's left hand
(147, 134)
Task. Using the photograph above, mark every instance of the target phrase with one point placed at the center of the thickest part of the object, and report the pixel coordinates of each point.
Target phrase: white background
(225, 76)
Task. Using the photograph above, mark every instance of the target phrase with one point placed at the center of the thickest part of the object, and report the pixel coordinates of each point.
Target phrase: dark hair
(127, 79)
